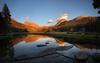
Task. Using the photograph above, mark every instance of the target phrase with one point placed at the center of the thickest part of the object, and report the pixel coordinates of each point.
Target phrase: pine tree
(6, 12)
(96, 5)
(6, 18)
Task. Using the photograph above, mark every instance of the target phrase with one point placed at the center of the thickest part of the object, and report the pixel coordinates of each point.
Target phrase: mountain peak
(85, 16)
(32, 23)
(82, 17)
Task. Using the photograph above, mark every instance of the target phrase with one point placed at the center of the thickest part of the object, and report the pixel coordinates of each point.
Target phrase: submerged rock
(41, 45)
(81, 56)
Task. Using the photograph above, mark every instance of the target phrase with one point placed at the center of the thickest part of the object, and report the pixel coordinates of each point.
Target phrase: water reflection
(33, 38)
(33, 47)
(29, 47)
(6, 51)
(92, 49)
(60, 42)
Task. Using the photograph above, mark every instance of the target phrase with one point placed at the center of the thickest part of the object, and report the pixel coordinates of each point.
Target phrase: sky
(41, 11)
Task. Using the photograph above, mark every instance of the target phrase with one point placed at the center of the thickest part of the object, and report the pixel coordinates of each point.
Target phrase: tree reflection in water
(6, 51)
(27, 47)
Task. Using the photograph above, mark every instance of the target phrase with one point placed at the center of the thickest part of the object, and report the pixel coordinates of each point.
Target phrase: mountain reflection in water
(37, 48)
(28, 46)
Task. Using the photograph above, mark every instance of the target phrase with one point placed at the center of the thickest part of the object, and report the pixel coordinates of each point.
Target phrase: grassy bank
(72, 37)
(78, 37)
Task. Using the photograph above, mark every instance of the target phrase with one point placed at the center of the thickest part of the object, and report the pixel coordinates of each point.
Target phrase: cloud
(64, 17)
(26, 18)
(50, 21)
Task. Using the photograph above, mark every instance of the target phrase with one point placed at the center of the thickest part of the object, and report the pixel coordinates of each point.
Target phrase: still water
(45, 49)
(32, 46)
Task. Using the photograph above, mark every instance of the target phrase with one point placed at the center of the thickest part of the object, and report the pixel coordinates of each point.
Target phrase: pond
(45, 49)
(38, 46)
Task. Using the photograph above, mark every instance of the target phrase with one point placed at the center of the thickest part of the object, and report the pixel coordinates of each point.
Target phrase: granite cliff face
(81, 23)
(29, 26)
(34, 27)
